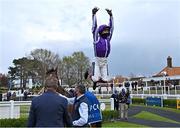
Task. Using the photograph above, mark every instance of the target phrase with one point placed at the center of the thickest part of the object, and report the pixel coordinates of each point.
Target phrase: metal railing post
(156, 90)
(137, 88)
(162, 89)
(112, 103)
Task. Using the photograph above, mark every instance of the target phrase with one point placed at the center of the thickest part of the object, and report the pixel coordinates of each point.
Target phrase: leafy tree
(61, 71)
(45, 60)
(19, 70)
(3, 80)
(68, 70)
(72, 68)
(23, 70)
(81, 63)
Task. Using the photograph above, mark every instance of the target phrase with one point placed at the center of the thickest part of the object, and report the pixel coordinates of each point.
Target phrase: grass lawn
(150, 116)
(121, 124)
(24, 111)
(170, 109)
(162, 108)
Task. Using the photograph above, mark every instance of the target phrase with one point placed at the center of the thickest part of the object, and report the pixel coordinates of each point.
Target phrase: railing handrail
(19, 103)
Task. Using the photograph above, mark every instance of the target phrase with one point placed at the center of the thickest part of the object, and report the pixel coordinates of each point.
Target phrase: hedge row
(138, 101)
(22, 122)
(109, 115)
(170, 103)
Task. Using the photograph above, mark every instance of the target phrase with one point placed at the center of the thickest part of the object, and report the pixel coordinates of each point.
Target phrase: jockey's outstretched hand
(109, 11)
(94, 10)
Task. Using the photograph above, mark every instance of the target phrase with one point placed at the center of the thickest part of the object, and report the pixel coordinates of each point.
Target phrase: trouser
(100, 69)
(96, 125)
(84, 126)
(116, 106)
(123, 111)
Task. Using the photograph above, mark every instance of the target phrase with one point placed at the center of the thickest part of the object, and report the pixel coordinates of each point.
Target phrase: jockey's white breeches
(100, 69)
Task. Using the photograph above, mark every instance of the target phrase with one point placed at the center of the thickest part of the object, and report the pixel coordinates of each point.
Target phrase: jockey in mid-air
(101, 36)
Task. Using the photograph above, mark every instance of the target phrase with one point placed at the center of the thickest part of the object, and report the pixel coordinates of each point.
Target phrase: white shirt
(83, 111)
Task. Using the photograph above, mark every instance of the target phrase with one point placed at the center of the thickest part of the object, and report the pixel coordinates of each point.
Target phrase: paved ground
(133, 110)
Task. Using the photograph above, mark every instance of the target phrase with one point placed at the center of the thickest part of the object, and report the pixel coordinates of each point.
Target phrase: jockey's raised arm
(94, 24)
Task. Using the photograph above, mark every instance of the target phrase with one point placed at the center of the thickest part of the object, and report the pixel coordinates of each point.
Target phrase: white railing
(164, 96)
(11, 109)
(141, 90)
(157, 90)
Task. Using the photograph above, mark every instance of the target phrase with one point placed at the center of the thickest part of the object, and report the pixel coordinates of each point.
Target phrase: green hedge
(170, 103)
(22, 122)
(109, 115)
(138, 101)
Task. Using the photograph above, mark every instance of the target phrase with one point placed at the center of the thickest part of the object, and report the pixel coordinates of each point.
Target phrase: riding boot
(86, 74)
(94, 85)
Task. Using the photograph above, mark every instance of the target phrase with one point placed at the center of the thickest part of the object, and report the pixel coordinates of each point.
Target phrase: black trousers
(96, 125)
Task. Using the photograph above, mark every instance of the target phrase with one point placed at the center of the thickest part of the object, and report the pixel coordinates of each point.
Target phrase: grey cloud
(146, 31)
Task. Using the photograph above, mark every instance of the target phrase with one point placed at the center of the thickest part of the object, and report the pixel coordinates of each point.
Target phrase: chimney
(169, 62)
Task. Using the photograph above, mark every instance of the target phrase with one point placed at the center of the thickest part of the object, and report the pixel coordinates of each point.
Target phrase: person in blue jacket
(95, 115)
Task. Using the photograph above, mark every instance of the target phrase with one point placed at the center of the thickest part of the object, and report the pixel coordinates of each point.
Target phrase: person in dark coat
(25, 95)
(8, 96)
(49, 109)
(128, 98)
(116, 100)
(80, 107)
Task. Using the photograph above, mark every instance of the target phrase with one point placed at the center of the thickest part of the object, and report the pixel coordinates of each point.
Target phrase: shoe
(94, 85)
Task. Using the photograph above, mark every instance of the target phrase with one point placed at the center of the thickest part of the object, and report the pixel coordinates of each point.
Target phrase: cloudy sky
(146, 32)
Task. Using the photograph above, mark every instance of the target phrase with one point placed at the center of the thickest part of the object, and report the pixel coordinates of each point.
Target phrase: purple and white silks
(101, 46)
(101, 50)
